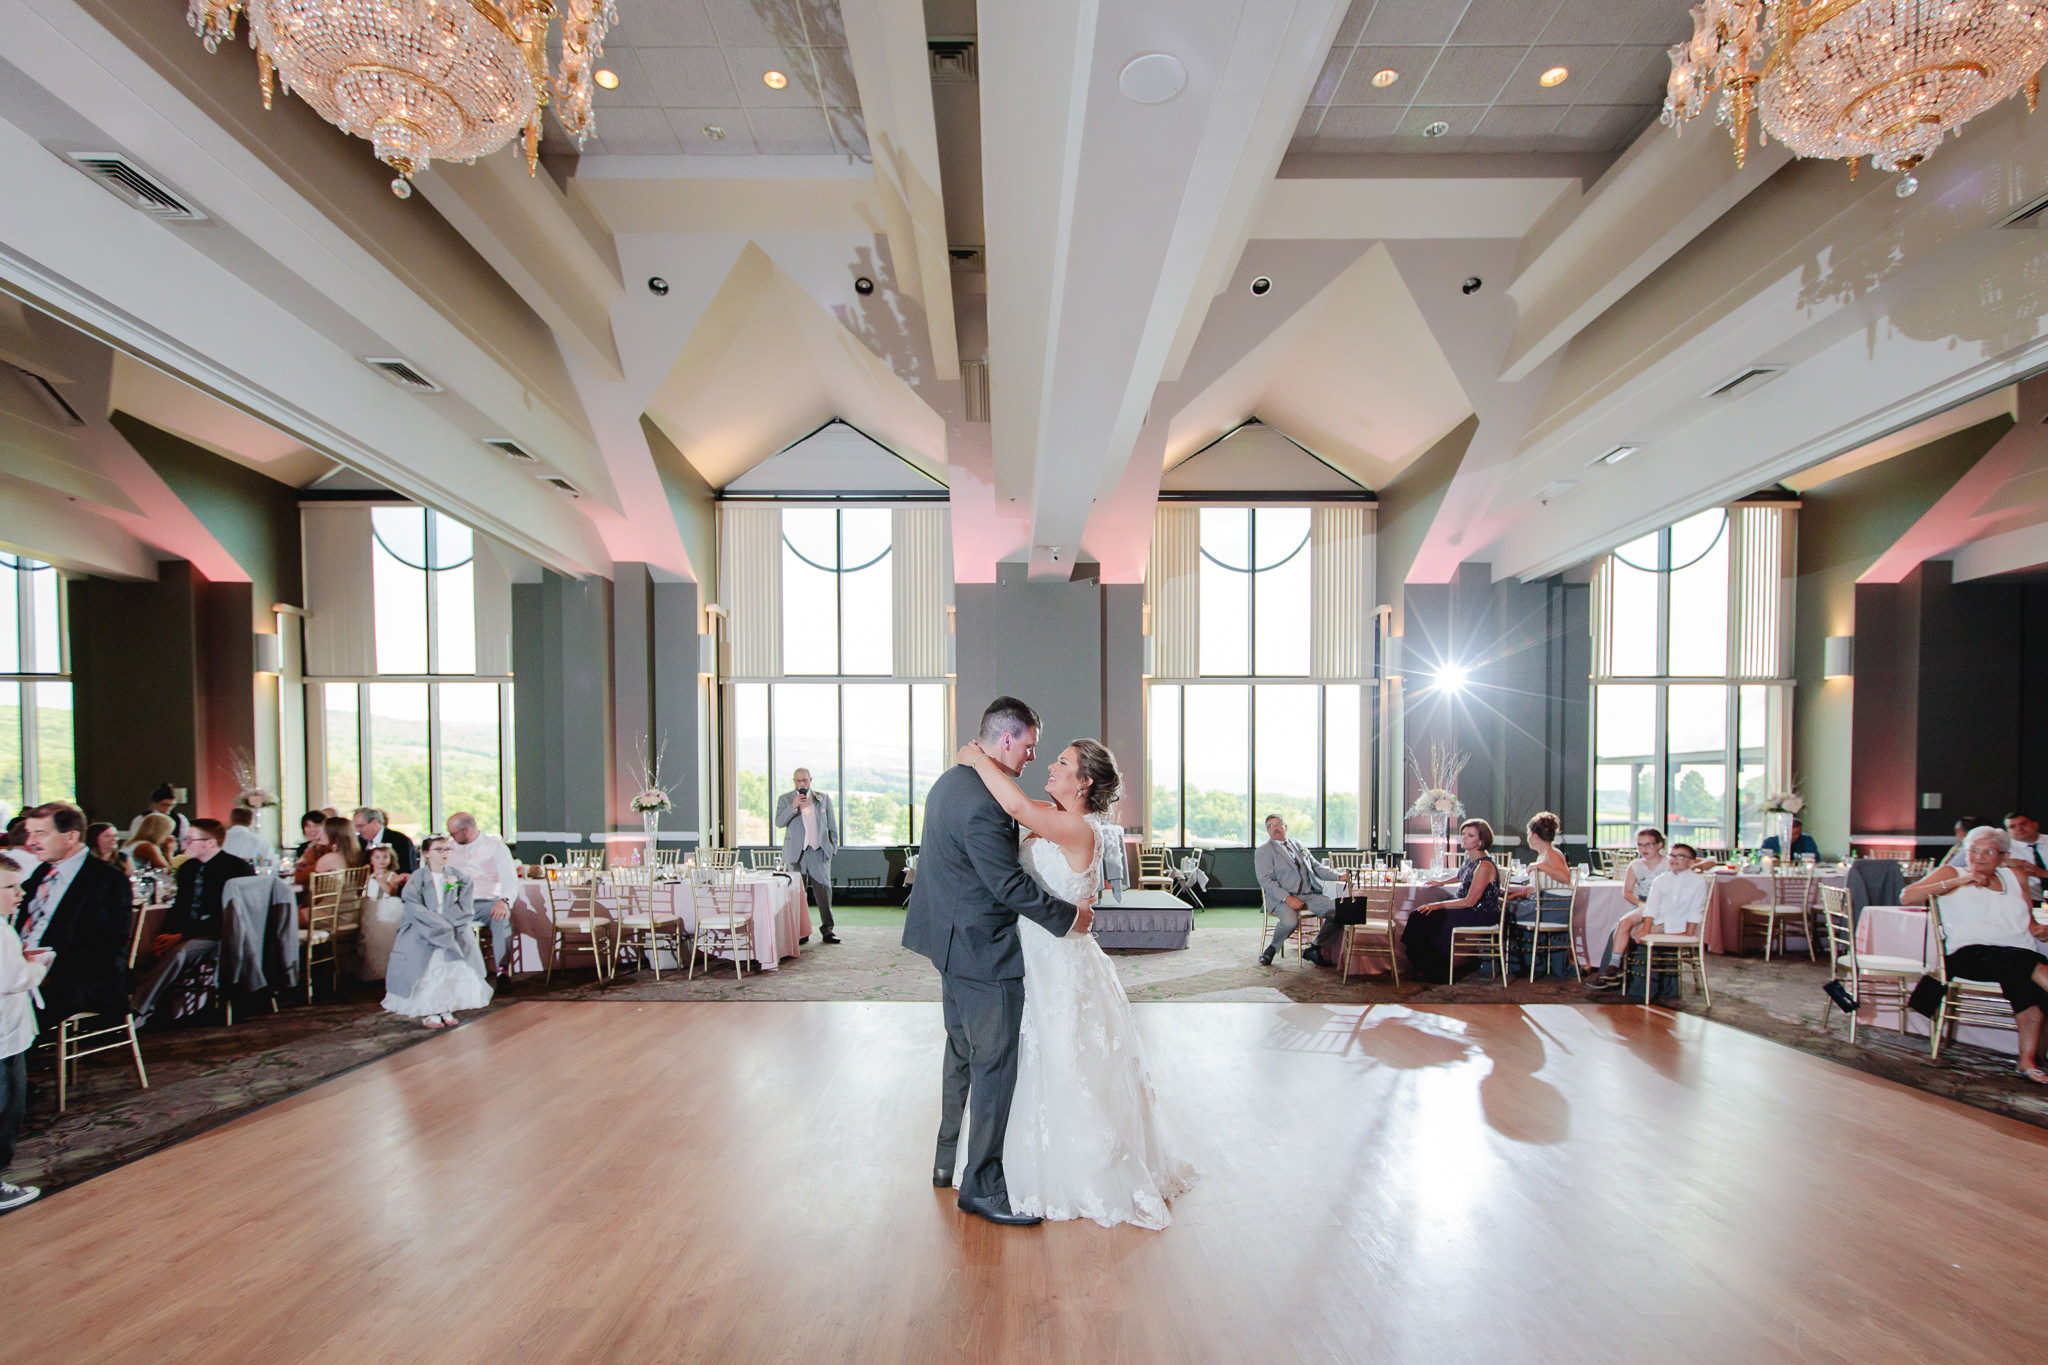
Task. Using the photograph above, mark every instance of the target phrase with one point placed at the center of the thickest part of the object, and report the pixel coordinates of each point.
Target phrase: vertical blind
(923, 574)
(1172, 591)
(750, 579)
(341, 639)
(1341, 591)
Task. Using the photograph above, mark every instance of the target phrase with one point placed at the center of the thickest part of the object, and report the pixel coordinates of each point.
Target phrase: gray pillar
(562, 708)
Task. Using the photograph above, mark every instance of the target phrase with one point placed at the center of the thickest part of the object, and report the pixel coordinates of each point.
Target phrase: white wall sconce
(269, 654)
(1838, 657)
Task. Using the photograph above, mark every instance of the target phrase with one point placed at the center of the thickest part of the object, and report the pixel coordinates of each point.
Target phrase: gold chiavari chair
(1546, 892)
(84, 1034)
(1977, 1003)
(1865, 975)
(1791, 903)
(1348, 861)
(574, 912)
(766, 860)
(334, 915)
(588, 858)
(645, 924)
(1680, 951)
(1154, 860)
(1487, 942)
(1913, 869)
(725, 921)
(1613, 862)
(717, 857)
(1375, 934)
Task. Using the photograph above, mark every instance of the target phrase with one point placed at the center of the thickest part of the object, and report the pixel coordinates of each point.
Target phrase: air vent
(511, 449)
(46, 394)
(1616, 455)
(1745, 379)
(968, 258)
(136, 187)
(558, 481)
(974, 374)
(2028, 215)
(953, 62)
(402, 373)
(1555, 489)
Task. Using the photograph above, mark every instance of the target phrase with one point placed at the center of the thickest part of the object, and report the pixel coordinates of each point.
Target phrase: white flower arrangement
(1439, 784)
(252, 792)
(652, 796)
(1784, 803)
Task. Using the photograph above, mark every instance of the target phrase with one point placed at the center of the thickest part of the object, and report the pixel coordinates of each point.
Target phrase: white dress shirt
(42, 906)
(811, 826)
(246, 844)
(1676, 900)
(18, 977)
(488, 864)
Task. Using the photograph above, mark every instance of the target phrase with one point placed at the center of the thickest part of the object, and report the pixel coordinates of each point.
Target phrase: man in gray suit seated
(810, 836)
(1291, 882)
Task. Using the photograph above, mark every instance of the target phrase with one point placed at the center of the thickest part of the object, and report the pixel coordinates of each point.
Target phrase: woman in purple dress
(1428, 935)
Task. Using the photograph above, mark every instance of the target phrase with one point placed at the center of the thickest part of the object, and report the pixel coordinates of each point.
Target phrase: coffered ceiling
(1474, 68)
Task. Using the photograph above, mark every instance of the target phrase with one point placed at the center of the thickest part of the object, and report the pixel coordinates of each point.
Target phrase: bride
(1085, 1139)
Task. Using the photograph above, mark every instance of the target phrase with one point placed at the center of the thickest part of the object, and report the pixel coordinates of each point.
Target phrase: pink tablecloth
(782, 917)
(1733, 890)
(1901, 931)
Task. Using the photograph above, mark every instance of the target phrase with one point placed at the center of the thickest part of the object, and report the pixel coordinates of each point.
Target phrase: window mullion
(433, 601)
(364, 792)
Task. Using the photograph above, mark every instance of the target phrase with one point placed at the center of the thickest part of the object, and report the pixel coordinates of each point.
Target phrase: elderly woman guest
(1989, 933)
(150, 847)
(1427, 937)
(436, 967)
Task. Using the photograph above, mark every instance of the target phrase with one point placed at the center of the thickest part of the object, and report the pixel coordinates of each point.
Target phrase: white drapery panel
(341, 639)
(1172, 591)
(1760, 548)
(493, 580)
(1341, 591)
(1600, 616)
(923, 551)
(750, 581)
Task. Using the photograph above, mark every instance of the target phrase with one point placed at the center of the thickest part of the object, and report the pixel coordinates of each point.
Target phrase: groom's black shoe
(999, 1213)
(942, 1177)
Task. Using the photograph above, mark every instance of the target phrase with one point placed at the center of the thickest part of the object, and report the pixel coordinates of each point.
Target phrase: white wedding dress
(1086, 1139)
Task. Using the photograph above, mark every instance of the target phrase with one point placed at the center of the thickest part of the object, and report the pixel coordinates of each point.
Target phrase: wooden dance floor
(748, 1182)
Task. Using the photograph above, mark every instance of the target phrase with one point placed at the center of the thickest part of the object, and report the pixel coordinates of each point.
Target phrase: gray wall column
(562, 707)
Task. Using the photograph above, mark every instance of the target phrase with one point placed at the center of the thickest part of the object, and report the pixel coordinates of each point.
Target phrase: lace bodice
(1048, 866)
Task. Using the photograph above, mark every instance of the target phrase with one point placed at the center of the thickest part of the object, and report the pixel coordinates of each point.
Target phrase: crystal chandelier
(1883, 79)
(454, 79)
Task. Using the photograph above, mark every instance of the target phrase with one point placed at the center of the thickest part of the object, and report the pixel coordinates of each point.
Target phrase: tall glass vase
(650, 822)
(1439, 839)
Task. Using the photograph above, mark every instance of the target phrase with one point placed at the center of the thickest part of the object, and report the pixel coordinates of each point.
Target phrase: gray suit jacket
(426, 931)
(1280, 874)
(790, 821)
(970, 888)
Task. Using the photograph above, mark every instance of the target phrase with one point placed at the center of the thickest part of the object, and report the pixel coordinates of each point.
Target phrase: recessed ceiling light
(1437, 129)
(606, 79)
(774, 80)
(1557, 75)
(1386, 77)
(714, 132)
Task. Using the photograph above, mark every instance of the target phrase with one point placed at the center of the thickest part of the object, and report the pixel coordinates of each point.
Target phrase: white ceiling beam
(2025, 548)
(885, 41)
(1393, 208)
(58, 530)
(547, 246)
(1663, 192)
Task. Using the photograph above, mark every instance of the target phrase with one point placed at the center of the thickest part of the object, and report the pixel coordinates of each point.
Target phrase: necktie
(39, 913)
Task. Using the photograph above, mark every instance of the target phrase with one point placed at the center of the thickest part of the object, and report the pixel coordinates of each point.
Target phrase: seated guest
(103, 841)
(372, 830)
(1649, 865)
(382, 911)
(80, 908)
(338, 846)
(313, 826)
(15, 846)
(309, 831)
(1542, 834)
(192, 929)
(163, 801)
(1802, 844)
(1676, 904)
(20, 973)
(1990, 934)
(436, 968)
(243, 841)
(493, 880)
(150, 846)
(1427, 937)
(1956, 857)
(1291, 882)
(2029, 853)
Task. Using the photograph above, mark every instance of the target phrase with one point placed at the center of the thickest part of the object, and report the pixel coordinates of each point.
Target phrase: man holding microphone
(810, 837)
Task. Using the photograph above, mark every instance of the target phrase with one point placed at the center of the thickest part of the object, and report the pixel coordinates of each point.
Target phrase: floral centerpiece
(251, 792)
(1438, 797)
(1780, 810)
(653, 798)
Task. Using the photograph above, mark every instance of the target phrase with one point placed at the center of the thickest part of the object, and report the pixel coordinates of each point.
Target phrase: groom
(963, 916)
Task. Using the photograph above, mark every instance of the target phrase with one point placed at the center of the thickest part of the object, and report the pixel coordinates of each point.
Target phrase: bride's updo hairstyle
(1098, 765)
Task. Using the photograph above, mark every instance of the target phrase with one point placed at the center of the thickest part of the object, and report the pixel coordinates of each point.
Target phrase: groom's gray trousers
(982, 1020)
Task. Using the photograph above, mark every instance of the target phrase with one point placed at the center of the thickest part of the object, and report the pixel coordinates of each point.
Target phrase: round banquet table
(782, 918)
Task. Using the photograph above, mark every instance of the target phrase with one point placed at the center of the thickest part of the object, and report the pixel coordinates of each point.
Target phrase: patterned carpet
(201, 1076)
